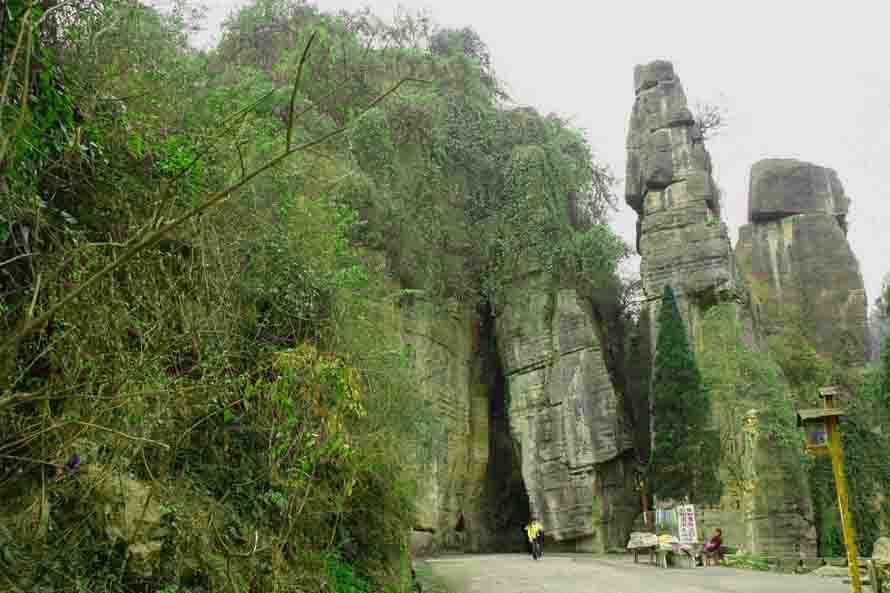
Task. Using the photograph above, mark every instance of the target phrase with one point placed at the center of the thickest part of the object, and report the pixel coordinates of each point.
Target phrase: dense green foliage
(864, 438)
(179, 314)
(741, 380)
(686, 448)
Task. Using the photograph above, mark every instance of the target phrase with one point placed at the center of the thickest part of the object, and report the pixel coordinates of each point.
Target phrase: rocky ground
(567, 573)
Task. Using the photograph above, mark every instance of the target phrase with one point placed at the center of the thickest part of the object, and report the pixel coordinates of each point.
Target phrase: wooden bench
(718, 555)
(649, 550)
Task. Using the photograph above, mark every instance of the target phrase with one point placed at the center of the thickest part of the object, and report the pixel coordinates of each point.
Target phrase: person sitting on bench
(712, 549)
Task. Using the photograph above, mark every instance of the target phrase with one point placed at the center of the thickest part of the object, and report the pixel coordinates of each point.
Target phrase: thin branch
(20, 256)
(11, 66)
(121, 434)
(293, 96)
(240, 159)
(224, 129)
(25, 94)
(30, 460)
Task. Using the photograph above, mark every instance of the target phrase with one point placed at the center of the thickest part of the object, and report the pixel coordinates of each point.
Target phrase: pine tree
(686, 449)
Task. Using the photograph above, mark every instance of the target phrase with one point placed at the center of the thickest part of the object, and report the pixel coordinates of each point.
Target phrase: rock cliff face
(795, 256)
(564, 415)
(526, 420)
(453, 451)
(684, 243)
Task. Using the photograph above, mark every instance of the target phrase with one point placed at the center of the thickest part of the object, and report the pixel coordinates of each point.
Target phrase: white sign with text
(688, 532)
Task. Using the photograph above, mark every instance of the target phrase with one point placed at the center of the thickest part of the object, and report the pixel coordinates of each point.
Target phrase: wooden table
(648, 549)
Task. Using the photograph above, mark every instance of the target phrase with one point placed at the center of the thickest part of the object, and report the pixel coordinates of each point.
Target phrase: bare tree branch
(711, 119)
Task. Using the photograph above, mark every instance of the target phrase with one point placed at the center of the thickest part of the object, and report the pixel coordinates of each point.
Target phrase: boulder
(648, 75)
(881, 555)
(421, 544)
(451, 460)
(785, 187)
(680, 237)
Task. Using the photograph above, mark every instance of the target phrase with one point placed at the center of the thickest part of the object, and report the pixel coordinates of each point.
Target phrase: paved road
(565, 573)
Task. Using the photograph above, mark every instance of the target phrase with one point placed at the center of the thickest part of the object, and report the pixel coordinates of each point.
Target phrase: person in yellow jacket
(535, 533)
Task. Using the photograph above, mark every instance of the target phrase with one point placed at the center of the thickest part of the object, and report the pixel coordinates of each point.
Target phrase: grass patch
(747, 561)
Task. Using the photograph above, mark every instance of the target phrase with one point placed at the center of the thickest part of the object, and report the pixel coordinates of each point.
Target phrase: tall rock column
(684, 243)
(564, 415)
(795, 257)
(680, 235)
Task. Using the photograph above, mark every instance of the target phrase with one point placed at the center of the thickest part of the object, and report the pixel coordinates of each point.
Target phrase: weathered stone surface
(796, 259)
(785, 187)
(564, 415)
(128, 511)
(452, 460)
(683, 243)
(680, 236)
(776, 506)
(421, 544)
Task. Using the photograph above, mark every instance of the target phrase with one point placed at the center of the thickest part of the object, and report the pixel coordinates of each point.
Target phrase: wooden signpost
(824, 439)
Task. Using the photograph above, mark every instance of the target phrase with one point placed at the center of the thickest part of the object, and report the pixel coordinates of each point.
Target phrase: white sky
(800, 79)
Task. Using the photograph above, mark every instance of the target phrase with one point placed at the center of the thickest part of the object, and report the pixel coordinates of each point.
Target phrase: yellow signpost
(824, 438)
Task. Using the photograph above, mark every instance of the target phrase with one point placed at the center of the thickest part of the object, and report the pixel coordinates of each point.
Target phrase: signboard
(688, 531)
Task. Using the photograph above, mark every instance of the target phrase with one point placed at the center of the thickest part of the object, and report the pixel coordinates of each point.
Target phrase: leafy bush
(243, 364)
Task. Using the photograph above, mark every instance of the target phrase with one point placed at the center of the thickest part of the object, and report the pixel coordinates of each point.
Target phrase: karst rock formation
(532, 407)
(680, 236)
(683, 242)
(565, 416)
(796, 260)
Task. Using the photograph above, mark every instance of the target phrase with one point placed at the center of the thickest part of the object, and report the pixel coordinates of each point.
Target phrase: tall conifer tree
(686, 448)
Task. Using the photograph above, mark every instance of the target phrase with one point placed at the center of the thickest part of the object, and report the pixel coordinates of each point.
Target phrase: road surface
(567, 573)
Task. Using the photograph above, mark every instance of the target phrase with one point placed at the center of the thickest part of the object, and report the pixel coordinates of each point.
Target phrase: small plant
(747, 561)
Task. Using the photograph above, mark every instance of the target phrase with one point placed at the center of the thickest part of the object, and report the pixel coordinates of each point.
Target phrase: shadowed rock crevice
(506, 505)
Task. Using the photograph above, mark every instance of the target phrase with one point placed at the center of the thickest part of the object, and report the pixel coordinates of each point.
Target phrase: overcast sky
(799, 79)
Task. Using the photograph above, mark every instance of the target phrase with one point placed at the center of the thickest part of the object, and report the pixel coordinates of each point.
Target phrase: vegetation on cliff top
(195, 309)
